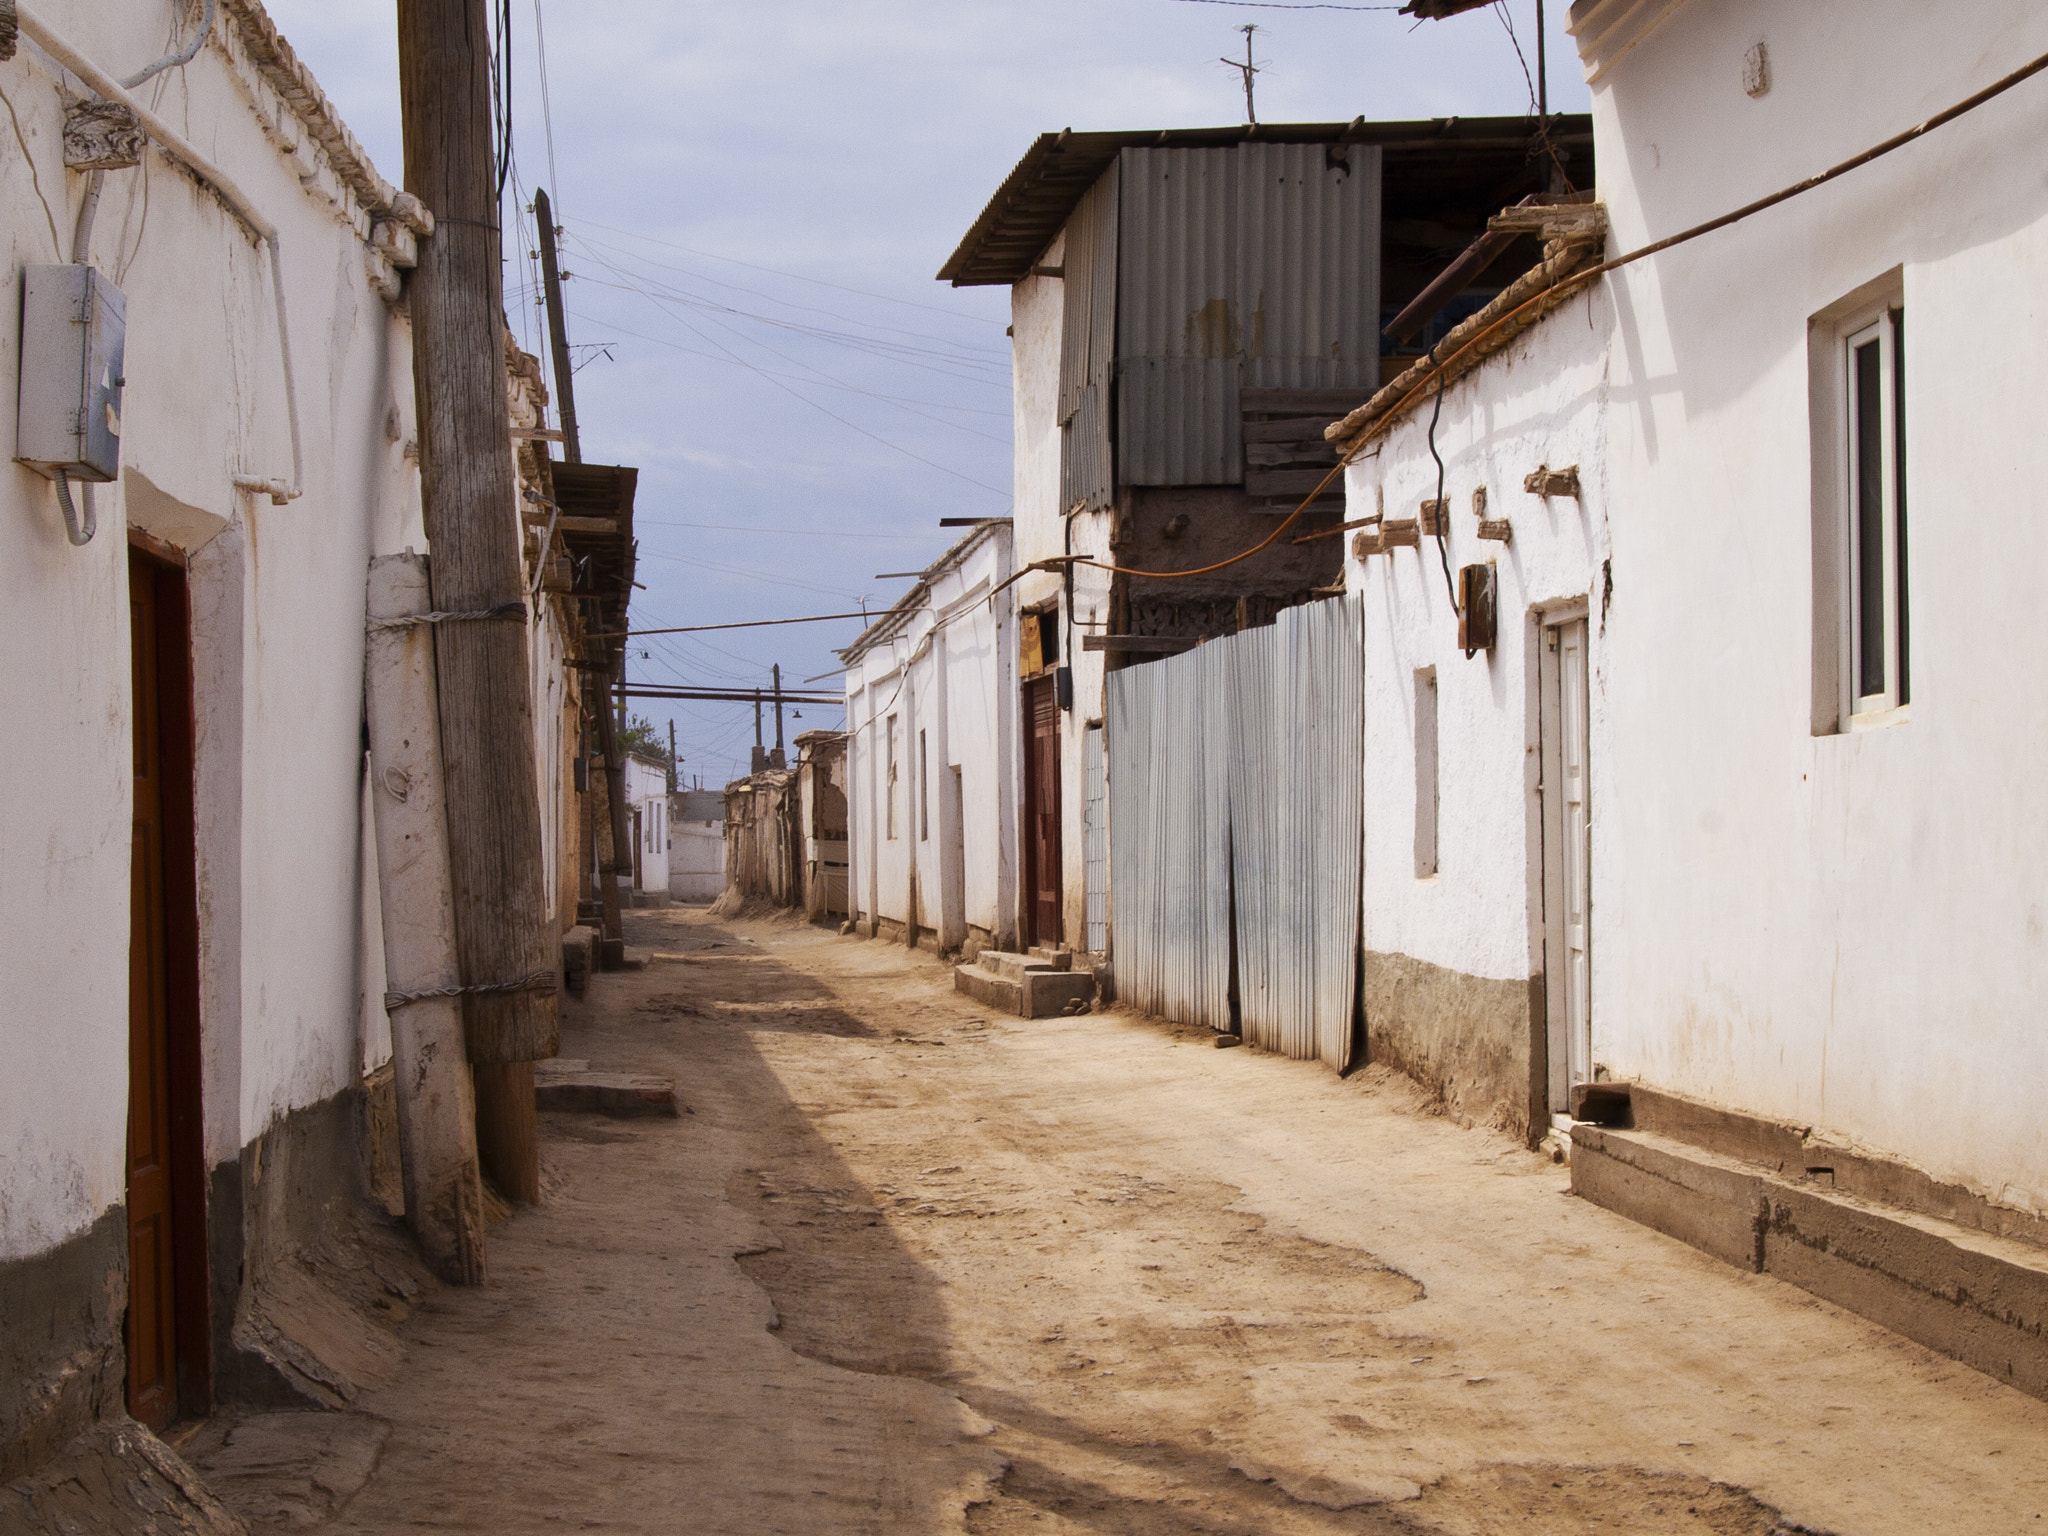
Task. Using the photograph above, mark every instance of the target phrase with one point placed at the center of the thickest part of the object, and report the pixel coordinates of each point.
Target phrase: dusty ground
(910, 1267)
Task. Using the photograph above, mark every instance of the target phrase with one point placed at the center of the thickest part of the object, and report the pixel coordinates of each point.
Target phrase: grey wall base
(62, 1364)
(1976, 1297)
(1477, 1044)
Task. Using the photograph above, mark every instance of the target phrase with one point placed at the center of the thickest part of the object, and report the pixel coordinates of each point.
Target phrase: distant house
(1191, 307)
(931, 758)
(821, 767)
(647, 817)
(696, 859)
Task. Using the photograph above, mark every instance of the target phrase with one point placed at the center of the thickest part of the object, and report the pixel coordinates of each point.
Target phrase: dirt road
(907, 1266)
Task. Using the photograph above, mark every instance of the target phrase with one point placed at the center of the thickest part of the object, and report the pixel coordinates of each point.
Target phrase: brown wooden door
(1042, 810)
(166, 1298)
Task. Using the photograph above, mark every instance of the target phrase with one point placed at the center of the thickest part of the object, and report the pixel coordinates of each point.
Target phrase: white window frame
(1876, 325)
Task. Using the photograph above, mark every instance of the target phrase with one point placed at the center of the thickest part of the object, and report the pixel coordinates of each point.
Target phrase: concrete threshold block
(1712, 1202)
(574, 1087)
(990, 987)
(1017, 984)
(1979, 1299)
(1972, 1296)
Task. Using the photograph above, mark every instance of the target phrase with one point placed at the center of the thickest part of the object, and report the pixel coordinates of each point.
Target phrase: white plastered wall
(1848, 931)
(277, 600)
(943, 669)
(1542, 402)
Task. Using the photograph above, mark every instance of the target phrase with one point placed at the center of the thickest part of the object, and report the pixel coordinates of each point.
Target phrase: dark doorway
(166, 1327)
(1042, 811)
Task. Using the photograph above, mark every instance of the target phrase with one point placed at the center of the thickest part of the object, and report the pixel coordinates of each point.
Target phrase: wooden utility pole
(558, 330)
(611, 936)
(436, 1099)
(469, 495)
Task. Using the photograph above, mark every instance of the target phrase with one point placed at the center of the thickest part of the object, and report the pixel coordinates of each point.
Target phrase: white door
(1567, 882)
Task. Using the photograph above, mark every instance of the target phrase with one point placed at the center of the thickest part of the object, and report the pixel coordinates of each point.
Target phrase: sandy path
(910, 1267)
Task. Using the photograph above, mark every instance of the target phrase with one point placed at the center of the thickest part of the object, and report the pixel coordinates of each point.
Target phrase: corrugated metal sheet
(1296, 825)
(1236, 778)
(1088, 347)
(1257, 265)
(1095, 838)
(1169, 837)
(1179, 326)
(1308, 236)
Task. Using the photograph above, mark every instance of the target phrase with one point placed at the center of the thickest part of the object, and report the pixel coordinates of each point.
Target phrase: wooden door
(1042, 811)
(1567, 864)
(166, 1323)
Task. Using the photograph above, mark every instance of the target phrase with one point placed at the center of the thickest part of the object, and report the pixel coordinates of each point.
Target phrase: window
(890, 791)
(924, 791)
(1425, 773)
(1875, 511)
(1856, 359)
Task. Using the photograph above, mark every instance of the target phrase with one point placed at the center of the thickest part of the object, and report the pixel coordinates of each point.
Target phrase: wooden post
(621, 854)
(470, 499)
(436, 1107)
(558, 332)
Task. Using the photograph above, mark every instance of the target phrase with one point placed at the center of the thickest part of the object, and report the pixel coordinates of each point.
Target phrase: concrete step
(1974, 1296)
(562, 1084)
(1012, 965)
(1030, 991)
(1058, 956)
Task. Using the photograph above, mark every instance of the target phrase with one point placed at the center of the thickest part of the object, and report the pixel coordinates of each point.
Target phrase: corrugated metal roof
(1308, 239)
(1180, 325)
(1088, 348)
(1445, 157)
(1254, 264)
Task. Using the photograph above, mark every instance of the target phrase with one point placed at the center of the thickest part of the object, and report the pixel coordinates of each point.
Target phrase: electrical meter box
(73, 323)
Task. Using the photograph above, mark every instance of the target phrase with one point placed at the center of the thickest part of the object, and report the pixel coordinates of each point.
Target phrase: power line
(547, 111)
(798, 276)
(822, 410)
(773, 299)
(805, 533)
(852, 389)
(873, 345)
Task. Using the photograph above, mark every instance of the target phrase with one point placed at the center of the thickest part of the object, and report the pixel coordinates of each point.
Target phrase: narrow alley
(904, 1266)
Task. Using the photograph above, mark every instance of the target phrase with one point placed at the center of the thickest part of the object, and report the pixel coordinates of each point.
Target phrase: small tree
(643, 736)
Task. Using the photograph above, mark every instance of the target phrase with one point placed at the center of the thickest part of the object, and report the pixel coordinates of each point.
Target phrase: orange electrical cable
(1588, 274)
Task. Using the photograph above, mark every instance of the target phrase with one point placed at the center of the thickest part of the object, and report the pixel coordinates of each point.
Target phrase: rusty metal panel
(1179, 328)
(1169, 837)
(1088, 347)
(1308, 264)
(1251, 266)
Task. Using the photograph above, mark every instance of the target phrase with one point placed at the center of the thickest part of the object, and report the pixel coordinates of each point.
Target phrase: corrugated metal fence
(1236, 780)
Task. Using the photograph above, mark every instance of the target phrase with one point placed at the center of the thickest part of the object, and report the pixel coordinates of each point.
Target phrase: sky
(755, 198)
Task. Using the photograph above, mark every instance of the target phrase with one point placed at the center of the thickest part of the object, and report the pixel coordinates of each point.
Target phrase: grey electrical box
(73, 323)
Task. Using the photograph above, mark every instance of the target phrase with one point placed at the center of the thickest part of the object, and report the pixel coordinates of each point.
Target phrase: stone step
(1006, 963)
(1030, 991)
(562, 1084)
(1058, 956)
(1974, 1296)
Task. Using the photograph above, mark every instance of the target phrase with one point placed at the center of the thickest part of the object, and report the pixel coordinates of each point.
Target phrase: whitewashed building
(932, 743)
(696, 861)
(1189, 307)
(189, 879)
(1738, 806)
(647, 819)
